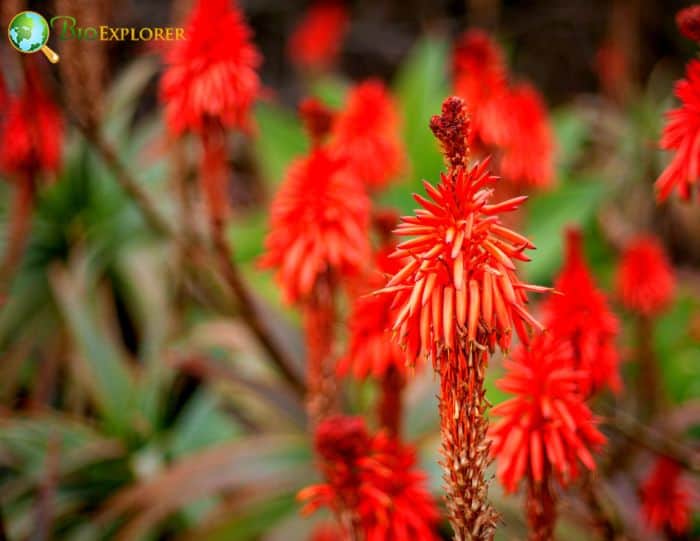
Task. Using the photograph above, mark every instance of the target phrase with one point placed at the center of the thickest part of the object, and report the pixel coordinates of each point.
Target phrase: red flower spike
(319, 223)
(688, 22)
(371, 483)
(458, 254)
(32, 132)
(682, 135)
(480, 77)
(547, 426)
(367, 133)
(666, 498)
(457, 295)
(645, 281)
(211, 73)
(582, 317)
(524, 136)
(315, 43)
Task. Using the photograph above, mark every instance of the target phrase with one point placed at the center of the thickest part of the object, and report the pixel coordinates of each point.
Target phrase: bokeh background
(135, 403)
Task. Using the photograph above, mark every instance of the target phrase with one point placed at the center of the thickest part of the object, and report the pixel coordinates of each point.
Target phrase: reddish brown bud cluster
(452, 130)
(317, 119)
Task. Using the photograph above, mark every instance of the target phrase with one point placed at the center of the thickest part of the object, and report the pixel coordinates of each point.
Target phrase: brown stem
(653, 440)
(390, 401)
(650, 390)
(465, 449)
(319, 318)
(249, 307)
(20, 222)
(605, 517)
(541, 509)
(126, 180)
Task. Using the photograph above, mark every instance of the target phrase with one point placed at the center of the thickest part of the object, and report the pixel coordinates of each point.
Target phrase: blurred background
(136, 403)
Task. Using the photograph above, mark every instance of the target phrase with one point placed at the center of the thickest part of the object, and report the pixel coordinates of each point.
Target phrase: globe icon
(28, 32)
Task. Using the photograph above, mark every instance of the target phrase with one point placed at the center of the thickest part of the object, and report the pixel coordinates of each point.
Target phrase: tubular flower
(32, 134)
(319, 223)
(524, 137)
(480, 77)
(211, 73)
(367, 133)
(645, 281)
(315, 43)
(688, 22)
(682, 135)
(457, 295)
(547, 426)
(582, 317)
(371, 483)
(666, 498)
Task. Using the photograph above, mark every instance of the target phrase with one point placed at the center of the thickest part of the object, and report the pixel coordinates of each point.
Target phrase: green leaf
(421, 86)
(572, 203)
(280, 138)
(105, 368)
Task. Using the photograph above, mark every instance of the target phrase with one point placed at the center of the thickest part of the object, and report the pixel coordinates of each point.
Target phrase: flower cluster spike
(32, 131)
(509, 120)
(367, 132)
(457, 297)
(682, 135)
(372, 483)
(459, 280)
(666, 498)
(211, 74)
(582, 317)
(547, 426)
(645, 280)
(316, 40)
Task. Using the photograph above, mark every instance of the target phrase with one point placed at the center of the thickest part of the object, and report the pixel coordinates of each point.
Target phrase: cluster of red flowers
(371, 483)
(32, 131)
(547, 426)
(211, 75)
(581, 317)
(320, 216)
(316, 40)
(510, 121)
(209, 85)
(645, 281)
(682, 135)
(667, 497)
(366, 133)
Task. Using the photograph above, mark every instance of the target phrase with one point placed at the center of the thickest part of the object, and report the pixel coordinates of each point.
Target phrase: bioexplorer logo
(29, 32)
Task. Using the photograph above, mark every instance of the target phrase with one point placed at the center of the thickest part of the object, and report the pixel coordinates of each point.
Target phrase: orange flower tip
(688, 22)
(452, 130)
(317, 119)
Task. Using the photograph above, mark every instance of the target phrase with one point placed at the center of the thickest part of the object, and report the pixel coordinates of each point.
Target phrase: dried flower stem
(319, 319)
(465, 449)
(249, 307)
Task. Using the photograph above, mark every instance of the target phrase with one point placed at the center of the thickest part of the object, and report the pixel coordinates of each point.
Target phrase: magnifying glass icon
(29, 32)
